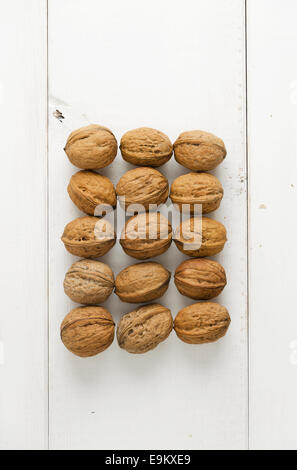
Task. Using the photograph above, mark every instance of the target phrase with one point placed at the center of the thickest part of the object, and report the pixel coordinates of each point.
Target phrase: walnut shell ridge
(88, 237)
(89, 282)
(197, 188)
(204, 322)
(142, 282)
(146, 235)
(199, 150)
(200, 237)
(88, 190)
(87, 331)
(200, 279)
(143, 186)
(91, 147)
(146, 147)
(144, 328)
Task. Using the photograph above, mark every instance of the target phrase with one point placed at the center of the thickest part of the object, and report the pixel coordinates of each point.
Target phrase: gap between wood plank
(47, 222)
(247, 219)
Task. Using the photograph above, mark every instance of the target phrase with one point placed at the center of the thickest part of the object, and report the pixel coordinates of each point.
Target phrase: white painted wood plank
(272, 85)
(174, 67)
(23, 271)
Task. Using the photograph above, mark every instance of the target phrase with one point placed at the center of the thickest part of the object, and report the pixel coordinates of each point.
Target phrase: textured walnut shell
(88, 190)
(199, 150)
(197, 188)
(143, 186)
(89, 282)
(200, 279)
(91, 147)
(88, 237)
(146, 147)
(142, 282)
(144, 328)
(87, 331)
(193, 241)
(146, 235)
(203, 322)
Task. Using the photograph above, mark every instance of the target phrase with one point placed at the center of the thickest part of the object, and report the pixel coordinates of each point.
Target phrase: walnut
(199, 150)
(144, 328)
(146, 235)
(146, 147)
(143, 186)
(142, 282)
(89, 282)
(200, 279)
(88, 237)
(87, 331)
(203, 322)
(91, 147)
(197, 188)
(193, 241)
(88, 190)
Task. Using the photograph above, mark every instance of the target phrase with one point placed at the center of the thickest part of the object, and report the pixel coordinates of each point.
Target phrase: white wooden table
(226, 66)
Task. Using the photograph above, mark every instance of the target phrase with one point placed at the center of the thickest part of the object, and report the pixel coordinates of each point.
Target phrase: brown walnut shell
(91, 147)
(199, 150)
(88, 237)
(89, 282)
(142, 282)
(146, 235)
(143, 186)
(203, 322)
(197, 188)
(200, 279)
(200, 237)
(87, 331)
(146, 147)
(88, 190)
(144, 328)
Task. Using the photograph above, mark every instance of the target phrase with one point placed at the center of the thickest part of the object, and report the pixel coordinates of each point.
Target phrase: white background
(225, 66)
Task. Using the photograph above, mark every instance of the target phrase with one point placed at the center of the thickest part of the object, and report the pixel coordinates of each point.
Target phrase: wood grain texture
(23, 272)
(174, 68)
(272, 105)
